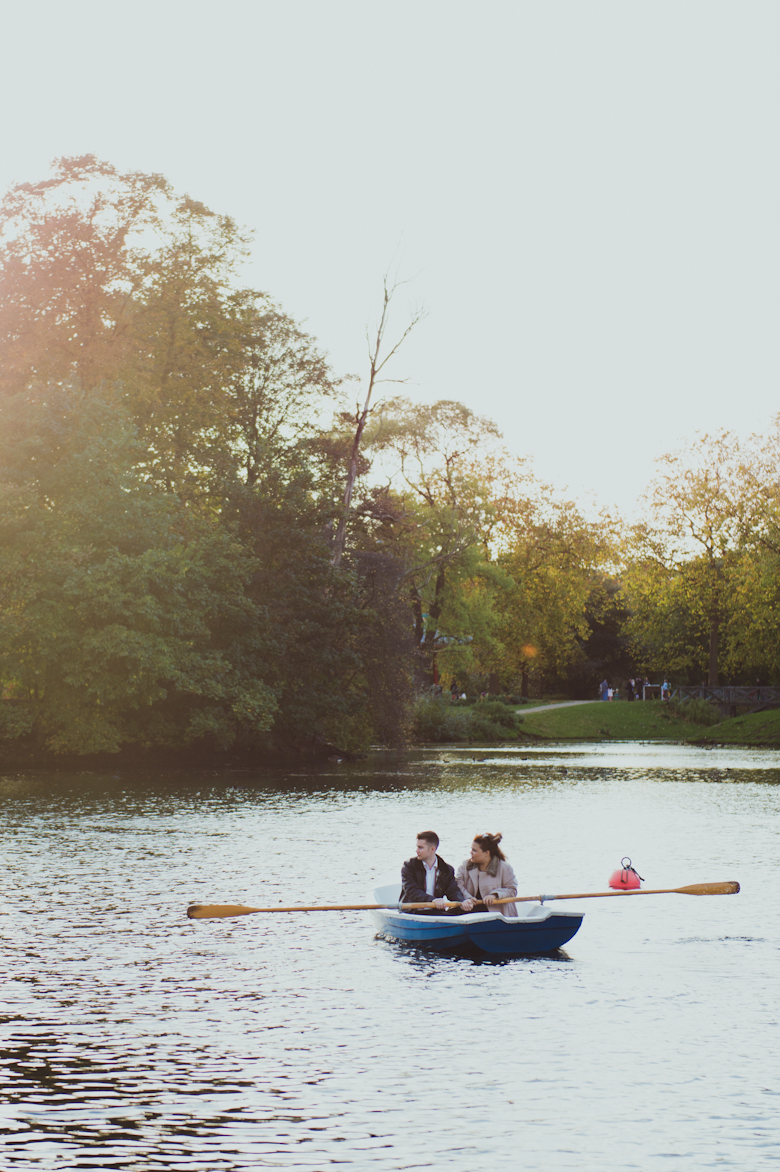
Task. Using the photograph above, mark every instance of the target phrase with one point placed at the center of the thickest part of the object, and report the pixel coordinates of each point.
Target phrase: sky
(581, 194)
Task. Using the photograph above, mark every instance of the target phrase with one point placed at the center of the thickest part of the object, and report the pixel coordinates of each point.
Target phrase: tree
(684, 551)
(752, 628)
(276, 394)
(69, 271)
(553, 558)
(113, 279)
(435, 523)
(206, 484)
(125, 618)
(377, 361)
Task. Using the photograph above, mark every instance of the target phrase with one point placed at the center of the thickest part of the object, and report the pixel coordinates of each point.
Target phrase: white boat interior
(388, 893)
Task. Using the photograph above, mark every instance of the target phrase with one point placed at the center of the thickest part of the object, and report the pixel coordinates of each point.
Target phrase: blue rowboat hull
(542, 930)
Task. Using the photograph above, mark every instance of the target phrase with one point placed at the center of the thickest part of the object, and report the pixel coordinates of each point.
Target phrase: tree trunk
(712, 679)
(494, 684)
(524, 683)
(341, 532)
(375, 368)
(420, 674)
(429, 637)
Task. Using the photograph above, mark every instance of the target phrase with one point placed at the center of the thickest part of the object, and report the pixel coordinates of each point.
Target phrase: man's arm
(454, 893)
(411, 892)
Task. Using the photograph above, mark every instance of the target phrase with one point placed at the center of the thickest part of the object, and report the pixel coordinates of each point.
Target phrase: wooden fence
(729, 697)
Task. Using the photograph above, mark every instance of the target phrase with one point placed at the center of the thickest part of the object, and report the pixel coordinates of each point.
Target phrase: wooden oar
(221, 911)
(730, 887)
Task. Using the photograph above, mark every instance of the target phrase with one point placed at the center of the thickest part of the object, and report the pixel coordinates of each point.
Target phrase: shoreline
(600, 721)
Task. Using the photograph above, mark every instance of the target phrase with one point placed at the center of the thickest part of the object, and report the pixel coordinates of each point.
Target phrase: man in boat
(426, 878)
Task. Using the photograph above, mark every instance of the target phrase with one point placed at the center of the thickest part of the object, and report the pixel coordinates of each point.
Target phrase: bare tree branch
(376, 364)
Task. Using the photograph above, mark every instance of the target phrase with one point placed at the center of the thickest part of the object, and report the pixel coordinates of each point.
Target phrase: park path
(560, 704)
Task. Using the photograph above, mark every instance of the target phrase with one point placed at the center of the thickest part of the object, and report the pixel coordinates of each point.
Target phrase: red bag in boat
(626, 879)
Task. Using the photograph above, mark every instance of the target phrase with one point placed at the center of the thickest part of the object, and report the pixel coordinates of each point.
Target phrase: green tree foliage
(606, 649)
(682, 558)
(498, 571)
(553, 558)
(318, 626)
(110, 278)
(181, 561)
(69, 250)
(126, 338)
(669, 620)
(124, 618)
(752, 625)
(436, 524)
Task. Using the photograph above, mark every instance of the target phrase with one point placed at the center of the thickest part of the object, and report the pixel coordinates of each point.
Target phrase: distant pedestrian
(604, 690)
(630, 690)
(665, 690)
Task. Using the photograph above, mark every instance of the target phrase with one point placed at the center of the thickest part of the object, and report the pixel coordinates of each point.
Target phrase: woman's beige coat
(499, 880)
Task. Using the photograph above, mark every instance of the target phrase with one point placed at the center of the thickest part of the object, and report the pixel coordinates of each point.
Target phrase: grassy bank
(756, 728)
(618, 721)
(650, 721)
(491, 722)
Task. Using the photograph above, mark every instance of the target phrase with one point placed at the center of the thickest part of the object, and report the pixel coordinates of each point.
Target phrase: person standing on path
(604, 690)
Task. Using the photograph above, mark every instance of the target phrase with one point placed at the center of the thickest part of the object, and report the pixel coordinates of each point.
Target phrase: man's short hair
(429, 836)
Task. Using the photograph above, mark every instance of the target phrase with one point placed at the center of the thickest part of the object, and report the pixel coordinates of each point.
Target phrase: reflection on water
(425, 958)
(135, 1038)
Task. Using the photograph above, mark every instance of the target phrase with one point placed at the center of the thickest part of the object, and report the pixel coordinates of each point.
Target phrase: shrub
(694, 710)
(494, 712)
(437, 719)
(510, 700)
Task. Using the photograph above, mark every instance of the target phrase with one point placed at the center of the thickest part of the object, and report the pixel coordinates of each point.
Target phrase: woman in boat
(486, 875)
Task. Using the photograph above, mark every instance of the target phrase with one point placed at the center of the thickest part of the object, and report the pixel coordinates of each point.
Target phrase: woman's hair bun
(489, 842)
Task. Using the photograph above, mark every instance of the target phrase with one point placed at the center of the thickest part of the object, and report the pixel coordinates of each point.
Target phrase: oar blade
(730, 887)
(217, 911)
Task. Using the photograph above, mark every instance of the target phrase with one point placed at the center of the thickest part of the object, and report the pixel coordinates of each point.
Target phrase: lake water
(134, 1038)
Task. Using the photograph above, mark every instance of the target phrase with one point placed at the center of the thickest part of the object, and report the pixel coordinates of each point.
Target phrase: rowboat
(536, 929)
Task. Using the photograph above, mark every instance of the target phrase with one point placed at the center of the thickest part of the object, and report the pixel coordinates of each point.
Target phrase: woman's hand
(490, 898)
(467, 905)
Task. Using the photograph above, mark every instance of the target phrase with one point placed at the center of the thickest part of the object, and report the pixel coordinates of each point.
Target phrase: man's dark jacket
(413, 882)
